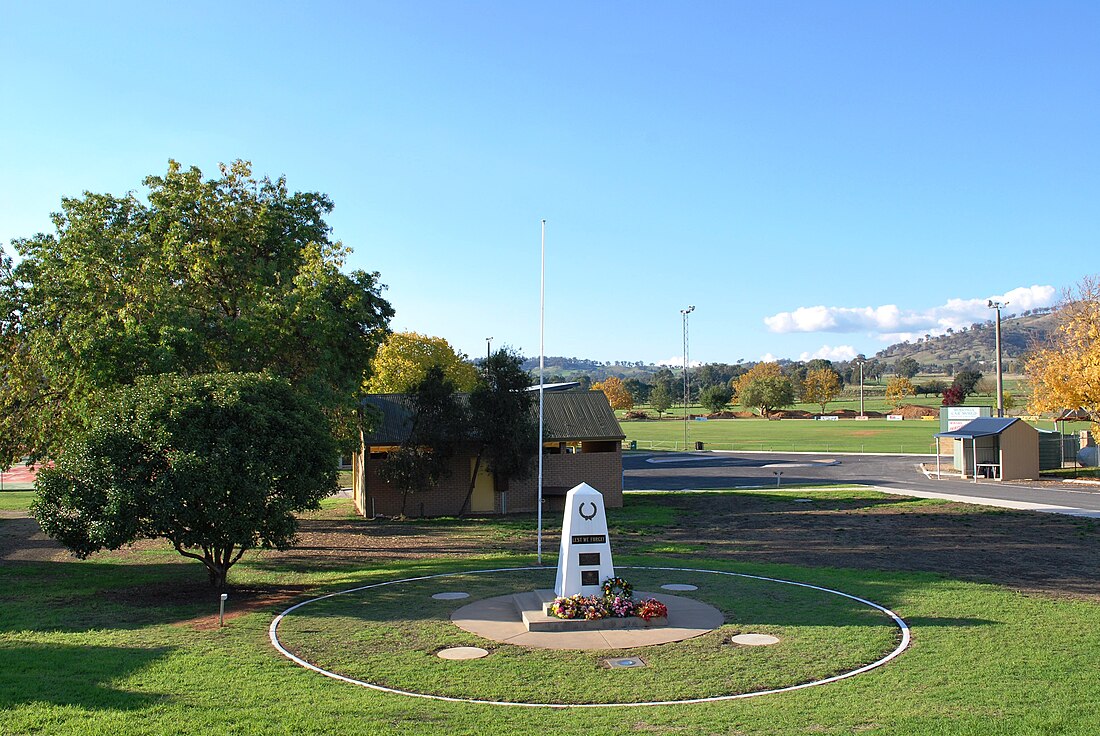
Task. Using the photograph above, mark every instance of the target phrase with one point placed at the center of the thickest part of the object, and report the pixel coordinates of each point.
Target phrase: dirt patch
(913, 411)
(790, 414)
(1035, 553)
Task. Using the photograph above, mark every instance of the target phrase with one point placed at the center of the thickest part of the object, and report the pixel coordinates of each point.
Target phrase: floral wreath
(617, 587)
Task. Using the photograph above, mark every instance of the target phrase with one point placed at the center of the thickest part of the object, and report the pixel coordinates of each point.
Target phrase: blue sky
(816, 178)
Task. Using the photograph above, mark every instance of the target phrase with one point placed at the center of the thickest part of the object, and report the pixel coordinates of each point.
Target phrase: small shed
(995, 447)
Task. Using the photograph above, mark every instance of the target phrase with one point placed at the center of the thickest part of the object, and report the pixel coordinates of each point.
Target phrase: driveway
(899, 474)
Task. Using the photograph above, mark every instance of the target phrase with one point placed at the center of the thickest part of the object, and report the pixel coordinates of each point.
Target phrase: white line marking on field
(906, 637)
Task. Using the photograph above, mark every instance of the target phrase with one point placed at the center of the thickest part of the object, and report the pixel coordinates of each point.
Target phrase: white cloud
(840, 352)
(892, 323)
(678, 362)
(768, 358)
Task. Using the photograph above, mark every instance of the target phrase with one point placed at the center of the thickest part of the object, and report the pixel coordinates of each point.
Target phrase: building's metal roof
(981, 427)
(579, 415)
(567, 416)
(564, 386)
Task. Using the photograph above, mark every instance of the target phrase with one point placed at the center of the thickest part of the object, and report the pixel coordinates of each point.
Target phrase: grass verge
(108, 646)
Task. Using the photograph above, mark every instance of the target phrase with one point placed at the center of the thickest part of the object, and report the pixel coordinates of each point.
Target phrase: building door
(481, 502)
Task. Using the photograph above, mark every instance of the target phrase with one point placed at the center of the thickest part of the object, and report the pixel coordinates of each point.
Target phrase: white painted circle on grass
(679, 586)
(754, 640)
(903, 644)
(462, 653)
(456, 596)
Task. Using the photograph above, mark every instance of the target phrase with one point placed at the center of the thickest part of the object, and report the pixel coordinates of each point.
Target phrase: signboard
(828, 419)
(584, 559)
(894, 417)
(954, 417)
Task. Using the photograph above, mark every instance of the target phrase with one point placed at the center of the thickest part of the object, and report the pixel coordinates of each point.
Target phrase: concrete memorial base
(532, 608)
(499, 619)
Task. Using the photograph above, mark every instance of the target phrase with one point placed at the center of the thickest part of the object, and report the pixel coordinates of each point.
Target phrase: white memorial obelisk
(584, 560)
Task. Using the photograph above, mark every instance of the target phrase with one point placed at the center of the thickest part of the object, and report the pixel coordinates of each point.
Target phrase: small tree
(438, 423)
(617, 394)
(715, 398)
(953, 396)
(660, 398)
(898, 390)
(217, 464)
(501, 420)
(820, 387)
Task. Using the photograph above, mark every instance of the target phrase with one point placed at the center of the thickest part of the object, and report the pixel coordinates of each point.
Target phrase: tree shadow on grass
(78, 676)
(85, 595)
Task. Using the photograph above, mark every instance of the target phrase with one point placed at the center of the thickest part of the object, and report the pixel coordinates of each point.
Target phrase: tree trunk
(473, 482)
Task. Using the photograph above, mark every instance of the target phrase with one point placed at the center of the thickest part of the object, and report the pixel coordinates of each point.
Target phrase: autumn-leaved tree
(820, 387)
(231, 274)
(1065, 373)
(617, 394)
(403, 360)
(764, 387)
(898, 389)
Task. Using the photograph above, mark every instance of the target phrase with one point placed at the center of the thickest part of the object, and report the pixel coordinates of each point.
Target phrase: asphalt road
(899, 474)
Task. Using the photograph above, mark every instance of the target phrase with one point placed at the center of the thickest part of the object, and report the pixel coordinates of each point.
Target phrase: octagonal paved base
(497, 619)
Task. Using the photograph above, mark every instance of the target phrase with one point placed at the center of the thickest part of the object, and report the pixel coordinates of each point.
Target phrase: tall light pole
(1000, 382)
(861, 364)
(684, 313)
(542, 368)
(488, 350)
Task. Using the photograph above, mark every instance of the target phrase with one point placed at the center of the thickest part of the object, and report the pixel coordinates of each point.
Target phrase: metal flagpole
(542, 383)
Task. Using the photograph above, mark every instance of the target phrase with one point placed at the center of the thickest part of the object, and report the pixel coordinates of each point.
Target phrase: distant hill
(949, 353)
(569, 369)
(977, 343)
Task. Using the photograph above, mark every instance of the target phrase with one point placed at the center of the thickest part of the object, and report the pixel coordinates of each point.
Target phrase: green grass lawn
(388, 636)
(105, 646)
(787, 435)
(15, 500)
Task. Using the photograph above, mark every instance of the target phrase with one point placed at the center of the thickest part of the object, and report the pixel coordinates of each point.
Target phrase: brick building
(583, 444)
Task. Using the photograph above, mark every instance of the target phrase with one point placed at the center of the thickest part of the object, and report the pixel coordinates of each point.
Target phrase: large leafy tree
(967, 381)
(217, 464)
(232, 274)
(502, 423)
(764, 387)
(907, 367)
(1065, 373)
(404, 358)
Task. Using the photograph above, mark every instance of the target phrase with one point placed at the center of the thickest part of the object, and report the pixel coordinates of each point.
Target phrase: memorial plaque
(584, 523)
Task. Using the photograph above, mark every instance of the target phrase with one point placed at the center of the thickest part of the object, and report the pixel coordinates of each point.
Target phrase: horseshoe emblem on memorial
(587, 517)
